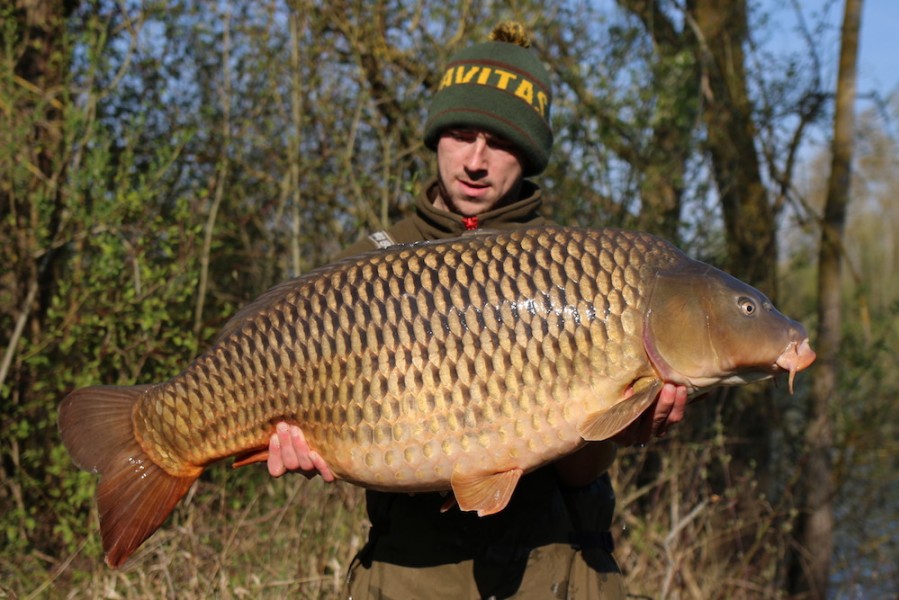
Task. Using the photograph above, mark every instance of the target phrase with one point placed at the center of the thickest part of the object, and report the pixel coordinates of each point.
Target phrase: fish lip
(797, 356)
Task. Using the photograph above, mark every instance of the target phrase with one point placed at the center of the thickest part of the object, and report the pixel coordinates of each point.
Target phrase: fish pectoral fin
(605, 424)
(250, 457)
(486, 493)
(448, 504)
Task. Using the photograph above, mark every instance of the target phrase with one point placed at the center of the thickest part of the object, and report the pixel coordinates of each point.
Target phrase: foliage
(109, 249)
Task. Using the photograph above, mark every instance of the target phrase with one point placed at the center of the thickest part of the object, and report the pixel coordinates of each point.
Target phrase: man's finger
(300, 449)
(288, 452)
(275, 465)
(663, 408)
(680, 406)
(319, 464)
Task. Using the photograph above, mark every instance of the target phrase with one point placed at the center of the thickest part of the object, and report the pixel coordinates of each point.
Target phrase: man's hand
(288, 451)
(594, 459)
(668, 410)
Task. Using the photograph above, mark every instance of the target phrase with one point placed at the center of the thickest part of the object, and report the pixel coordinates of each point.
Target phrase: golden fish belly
(406, 365)
(420, 448)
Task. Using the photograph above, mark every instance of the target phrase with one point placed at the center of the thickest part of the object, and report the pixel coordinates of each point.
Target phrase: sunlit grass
(234, 536)
(679, 535)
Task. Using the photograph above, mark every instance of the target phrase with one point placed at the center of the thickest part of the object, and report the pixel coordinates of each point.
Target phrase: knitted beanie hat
(499, 86)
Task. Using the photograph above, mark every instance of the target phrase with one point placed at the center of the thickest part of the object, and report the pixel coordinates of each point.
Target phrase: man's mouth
(473, 185)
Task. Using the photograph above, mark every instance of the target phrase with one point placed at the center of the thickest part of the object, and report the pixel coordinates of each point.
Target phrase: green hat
(500, 87)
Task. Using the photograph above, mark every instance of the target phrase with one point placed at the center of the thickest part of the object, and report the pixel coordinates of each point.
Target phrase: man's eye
(499, 144)
(462, 135)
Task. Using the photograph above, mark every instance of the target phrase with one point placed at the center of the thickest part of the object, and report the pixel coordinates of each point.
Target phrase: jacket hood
(435, 223)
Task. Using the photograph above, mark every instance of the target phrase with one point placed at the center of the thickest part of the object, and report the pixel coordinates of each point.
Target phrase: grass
(680, 534)
(289, 537)
(678, 538)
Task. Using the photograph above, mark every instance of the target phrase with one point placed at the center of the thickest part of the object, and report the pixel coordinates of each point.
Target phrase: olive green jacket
(430, 223)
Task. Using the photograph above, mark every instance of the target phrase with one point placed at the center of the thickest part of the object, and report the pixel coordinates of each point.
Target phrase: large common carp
(459, 364)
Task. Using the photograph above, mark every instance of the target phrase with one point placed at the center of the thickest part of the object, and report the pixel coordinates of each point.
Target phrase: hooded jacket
(411, 530)
(431, 223)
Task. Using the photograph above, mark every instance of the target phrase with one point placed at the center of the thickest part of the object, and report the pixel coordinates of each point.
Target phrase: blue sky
(878, 61)
(878, 65)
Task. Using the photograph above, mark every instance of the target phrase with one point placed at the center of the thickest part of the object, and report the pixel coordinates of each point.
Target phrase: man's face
(478, 171)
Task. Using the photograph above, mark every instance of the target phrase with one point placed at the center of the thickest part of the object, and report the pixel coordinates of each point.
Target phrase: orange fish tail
(134, 495)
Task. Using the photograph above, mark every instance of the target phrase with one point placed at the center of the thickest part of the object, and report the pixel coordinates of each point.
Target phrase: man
(489, 126)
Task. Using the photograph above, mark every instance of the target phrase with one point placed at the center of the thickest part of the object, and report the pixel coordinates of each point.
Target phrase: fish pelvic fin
(250, 457)
(605, 424)
(134, 495)
(487, 493)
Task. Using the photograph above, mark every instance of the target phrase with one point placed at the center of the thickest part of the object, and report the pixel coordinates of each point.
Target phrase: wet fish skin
(421, 332)
(459, 364)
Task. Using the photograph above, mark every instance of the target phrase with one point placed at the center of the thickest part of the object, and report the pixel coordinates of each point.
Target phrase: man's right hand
(288, 451)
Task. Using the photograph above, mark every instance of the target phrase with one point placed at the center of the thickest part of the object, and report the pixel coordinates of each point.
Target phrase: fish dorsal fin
(248, 311)
(278, 292)
(479, 232)
(604, 424)
(486, 493)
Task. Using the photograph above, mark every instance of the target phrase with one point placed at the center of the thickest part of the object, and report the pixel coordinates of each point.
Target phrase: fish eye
(747, 305)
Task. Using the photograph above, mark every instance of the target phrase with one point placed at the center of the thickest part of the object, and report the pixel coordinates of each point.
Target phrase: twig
(59, 571)
(17, 331)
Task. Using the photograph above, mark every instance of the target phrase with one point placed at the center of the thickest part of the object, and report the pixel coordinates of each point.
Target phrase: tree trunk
(664, 162)
(748, 216)
(39, 61)
(810, 563)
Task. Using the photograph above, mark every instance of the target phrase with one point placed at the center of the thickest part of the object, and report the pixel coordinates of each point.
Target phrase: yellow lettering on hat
(447, 78)
(525, 91)
(504, 78)
(463, 76)
(542, 102)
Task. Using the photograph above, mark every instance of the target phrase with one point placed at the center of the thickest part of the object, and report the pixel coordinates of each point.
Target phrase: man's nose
(477, 155)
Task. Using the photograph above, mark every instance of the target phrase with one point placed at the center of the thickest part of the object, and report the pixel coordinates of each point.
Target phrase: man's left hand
(668, 410)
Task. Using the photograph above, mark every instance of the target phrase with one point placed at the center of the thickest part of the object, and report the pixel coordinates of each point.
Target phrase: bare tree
(810, 566)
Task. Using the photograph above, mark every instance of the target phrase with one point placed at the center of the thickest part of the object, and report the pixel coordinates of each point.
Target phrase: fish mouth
(795, 358)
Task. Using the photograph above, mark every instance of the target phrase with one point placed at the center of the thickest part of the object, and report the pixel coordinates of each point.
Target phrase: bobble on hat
(499, 86)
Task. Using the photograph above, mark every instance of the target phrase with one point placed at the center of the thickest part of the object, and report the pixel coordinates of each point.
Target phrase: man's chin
(464, 205)
(468, 207)
(461, 202)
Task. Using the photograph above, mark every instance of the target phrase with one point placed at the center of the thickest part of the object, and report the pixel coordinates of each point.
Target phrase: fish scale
(457, 365)
(337, 367)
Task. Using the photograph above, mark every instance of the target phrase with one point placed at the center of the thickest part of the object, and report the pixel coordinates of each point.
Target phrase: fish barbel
(452, 365)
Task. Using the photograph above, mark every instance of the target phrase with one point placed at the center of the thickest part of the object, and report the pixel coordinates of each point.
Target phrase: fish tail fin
(134, 495)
